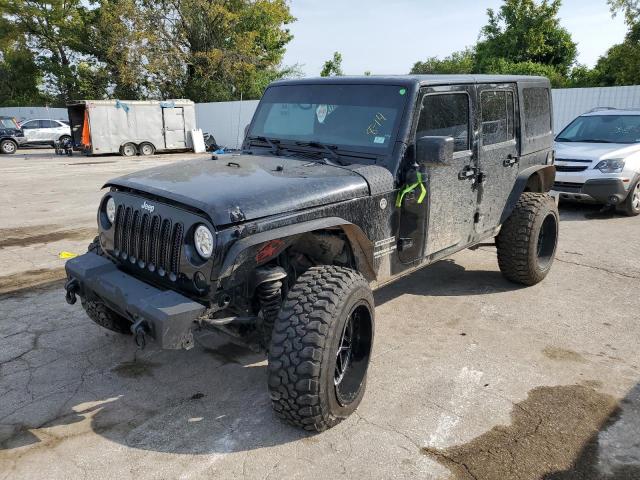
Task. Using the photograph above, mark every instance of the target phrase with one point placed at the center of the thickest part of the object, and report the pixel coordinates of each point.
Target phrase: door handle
(510, 161)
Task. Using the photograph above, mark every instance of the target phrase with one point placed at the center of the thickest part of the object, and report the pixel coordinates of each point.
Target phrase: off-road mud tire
(519, 258)
(98, 312)
(304, 343)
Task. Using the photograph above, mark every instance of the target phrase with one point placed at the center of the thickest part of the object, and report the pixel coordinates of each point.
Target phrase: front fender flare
(243, 250)
(538, 178)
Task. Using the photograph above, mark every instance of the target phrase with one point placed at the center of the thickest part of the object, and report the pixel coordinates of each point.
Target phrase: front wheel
(320, 348)
(527, 241)
(631, 206)
(8, 146)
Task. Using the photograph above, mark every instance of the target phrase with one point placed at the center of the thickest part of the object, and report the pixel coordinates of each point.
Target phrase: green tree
(19, 75)
(52, 31)
(228, 46)
(629, 8)
(458, 62)
(621, 64)
(526, 31)
(333, 67)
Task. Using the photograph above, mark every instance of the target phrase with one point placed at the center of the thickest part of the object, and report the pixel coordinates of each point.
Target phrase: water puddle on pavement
(553, 436)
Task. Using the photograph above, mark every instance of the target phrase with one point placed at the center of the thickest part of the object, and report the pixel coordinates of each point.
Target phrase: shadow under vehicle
(342, 186)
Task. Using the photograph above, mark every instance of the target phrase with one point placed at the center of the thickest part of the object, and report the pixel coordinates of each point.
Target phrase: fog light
(200, 281)
(613, 199)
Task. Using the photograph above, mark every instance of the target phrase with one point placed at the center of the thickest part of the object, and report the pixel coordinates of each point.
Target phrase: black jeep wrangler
(343, 185)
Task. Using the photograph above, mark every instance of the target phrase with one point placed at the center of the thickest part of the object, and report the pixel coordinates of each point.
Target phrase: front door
(445, 218)
(174, 133)
(498, 151)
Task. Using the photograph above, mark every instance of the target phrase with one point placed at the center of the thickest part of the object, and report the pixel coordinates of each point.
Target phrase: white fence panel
(226, 121)
(568, 103)
(27, 113)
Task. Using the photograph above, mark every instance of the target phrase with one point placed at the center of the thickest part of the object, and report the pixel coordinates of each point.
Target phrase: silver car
(45, 131)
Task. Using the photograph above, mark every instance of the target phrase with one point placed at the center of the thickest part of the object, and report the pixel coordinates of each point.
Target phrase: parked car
(343, 185)
(10, 135)
(45, 132)
(598, 159)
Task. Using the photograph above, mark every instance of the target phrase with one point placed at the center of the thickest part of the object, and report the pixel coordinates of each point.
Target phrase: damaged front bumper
(164, 315)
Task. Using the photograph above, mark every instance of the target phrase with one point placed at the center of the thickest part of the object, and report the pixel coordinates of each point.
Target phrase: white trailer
(131, 127)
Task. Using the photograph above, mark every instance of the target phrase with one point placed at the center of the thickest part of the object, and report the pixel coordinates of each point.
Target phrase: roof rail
(599, 109)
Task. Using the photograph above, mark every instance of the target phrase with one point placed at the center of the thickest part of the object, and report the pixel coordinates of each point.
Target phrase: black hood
(258, 186)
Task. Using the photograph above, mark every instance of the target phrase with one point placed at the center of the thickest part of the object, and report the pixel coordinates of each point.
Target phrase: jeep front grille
(148, 241)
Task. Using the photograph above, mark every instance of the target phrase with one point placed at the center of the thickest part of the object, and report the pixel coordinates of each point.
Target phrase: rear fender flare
(538, 178)
(248, 251)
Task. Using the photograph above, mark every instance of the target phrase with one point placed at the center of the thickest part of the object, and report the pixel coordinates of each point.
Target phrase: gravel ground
(472, 377)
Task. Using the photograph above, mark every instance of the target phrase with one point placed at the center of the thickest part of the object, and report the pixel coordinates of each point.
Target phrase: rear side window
(446, 115)
(48, 124)
(537, 115)
(497, 117)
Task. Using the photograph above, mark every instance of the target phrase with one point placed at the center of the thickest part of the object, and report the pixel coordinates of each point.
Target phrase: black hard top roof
(419, 80)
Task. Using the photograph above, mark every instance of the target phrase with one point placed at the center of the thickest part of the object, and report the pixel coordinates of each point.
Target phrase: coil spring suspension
(270, 297)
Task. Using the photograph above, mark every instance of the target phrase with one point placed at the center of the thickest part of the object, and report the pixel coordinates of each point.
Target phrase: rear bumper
(167, 316)
(601, 190)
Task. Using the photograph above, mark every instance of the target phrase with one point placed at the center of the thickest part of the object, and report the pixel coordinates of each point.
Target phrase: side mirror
(434, 150)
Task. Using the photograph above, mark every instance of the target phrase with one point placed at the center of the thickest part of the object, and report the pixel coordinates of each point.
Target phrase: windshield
(602, 129)
(350, 117)
(8, 123)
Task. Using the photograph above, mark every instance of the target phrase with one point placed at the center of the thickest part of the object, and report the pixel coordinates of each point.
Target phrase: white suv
(598, 159)
(44, 131)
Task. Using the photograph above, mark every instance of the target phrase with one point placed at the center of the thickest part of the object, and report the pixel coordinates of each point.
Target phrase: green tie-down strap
(411, 188)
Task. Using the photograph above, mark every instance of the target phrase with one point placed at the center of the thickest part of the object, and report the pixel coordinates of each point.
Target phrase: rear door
(445, 218)
(31, 130)
(49, 131)
(174, 131)
(498, 152)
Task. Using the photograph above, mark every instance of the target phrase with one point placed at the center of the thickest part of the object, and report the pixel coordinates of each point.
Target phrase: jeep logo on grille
(146, 206)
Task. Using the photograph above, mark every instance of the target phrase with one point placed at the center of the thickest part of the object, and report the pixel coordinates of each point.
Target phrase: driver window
(30, 124)
(446, 115)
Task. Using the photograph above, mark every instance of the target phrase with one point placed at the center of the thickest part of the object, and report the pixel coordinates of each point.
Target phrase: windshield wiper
(330, 149)
(272, 142)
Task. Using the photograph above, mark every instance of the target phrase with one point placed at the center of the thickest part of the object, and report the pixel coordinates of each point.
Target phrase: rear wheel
(146, 149)
(63, 139)
(320, 348)
(8, 146)
(528, 239)
(128, 150)
(631, 205)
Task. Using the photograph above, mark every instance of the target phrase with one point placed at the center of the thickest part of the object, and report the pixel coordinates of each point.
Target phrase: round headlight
(111, 209)
(203, 240)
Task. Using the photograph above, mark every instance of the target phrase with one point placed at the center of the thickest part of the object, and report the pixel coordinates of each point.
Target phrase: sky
(389, 36)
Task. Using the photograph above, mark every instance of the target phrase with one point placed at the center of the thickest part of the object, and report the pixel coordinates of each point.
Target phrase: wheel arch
(261, 248)
(537, 179)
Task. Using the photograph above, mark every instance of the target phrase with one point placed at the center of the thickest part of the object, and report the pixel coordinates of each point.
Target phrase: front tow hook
(72, 287)
(139, 331)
